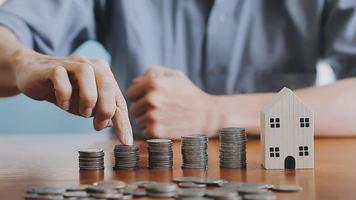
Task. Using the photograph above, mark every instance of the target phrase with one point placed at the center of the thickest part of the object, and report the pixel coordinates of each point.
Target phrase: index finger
(121, 120)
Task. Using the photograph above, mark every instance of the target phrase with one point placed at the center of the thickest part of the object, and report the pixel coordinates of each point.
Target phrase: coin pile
(194, 151)
(91, 159)
(160, 154)
(115, 189)
(126, 156)
(232, 147)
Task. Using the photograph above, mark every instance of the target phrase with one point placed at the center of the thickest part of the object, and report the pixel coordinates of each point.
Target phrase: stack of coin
(160, 154)
(232, 147)
(91, 159)
(194, 151)
(126, 156)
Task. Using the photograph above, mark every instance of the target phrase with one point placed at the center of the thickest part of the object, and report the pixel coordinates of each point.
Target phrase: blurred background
(20, 114)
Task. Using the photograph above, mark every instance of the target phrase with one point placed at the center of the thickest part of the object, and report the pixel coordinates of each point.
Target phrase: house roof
(284, 91)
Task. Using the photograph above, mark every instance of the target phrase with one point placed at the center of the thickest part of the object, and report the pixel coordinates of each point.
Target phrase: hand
(75, 84)
(167, 104)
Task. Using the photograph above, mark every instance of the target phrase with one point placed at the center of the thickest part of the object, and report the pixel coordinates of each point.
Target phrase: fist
(166, 104)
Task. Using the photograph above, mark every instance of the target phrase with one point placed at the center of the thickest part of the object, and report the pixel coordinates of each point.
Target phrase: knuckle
(152, 84)
(84, 69)
(107, 85)
(106, 113)
(101, 63)
(89, 100)
(79, 58)
(151, 99)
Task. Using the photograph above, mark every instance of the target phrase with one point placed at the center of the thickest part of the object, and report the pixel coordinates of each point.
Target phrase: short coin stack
(194, 151)
(160, 154)
(91, 159)
(232, 147)
(126, 156)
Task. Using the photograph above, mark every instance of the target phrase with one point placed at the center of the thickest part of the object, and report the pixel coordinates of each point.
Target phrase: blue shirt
(224, 46)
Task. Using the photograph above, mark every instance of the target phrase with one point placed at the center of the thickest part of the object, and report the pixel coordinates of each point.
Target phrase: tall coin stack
(232, 147)
(91, 159)
(160, 154)
(194, 151)
(126, 156)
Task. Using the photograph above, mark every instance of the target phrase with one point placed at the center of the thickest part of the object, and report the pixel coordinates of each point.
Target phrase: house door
(289, 162)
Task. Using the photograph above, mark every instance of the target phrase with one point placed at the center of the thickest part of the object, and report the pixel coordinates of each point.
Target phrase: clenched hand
(81, 86)
(167, 104)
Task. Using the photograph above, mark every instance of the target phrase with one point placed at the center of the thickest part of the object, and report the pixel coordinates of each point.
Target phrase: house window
(274, 152)
(274, 122)
(303, 151)
(304, 122)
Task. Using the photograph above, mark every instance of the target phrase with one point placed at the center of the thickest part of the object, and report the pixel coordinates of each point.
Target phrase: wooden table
(32, 160)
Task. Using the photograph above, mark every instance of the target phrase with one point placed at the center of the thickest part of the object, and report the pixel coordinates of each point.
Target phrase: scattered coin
(112, 184)
(251, 190)
(161, 187)
(190, 192)
(194, 151)
(287, 188)
(191, 185)
(91, 159)
(160, 154)
(75, 194)
(259, 197)
(222, 194)
(46, 190)
(232, 147)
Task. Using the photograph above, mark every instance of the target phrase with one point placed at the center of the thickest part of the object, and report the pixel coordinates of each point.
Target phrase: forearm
(333, 105)
(8, 45)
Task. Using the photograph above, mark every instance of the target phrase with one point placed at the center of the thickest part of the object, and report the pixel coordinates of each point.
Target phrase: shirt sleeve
(338, 45)
(54, 27)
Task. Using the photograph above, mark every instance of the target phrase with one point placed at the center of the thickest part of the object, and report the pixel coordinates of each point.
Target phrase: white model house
(287, 133)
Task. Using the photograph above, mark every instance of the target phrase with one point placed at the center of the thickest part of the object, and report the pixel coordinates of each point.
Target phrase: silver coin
(191, 185)
(46, 190)
(90, 150)
(287, 188)
(259, 197)
(251, 190)
(77, 194)
(161, 187)
(115, 184)
(190, 192)
(162, 195)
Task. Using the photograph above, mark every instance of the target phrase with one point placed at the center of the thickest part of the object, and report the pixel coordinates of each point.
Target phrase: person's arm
(31, 34)
(167, 104)
(333, 105)
(8, 45)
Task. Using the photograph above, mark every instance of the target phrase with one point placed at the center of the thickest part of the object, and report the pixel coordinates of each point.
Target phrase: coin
(194, 151)
(287, 188)
(190, 192)
(191, 185)
(126, 157)
(114, 184)
(91, 159)
(161, 187)
(160, 154)
(232, 147)
(259, 197)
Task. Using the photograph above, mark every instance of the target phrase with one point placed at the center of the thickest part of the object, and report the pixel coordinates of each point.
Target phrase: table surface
(34, 160)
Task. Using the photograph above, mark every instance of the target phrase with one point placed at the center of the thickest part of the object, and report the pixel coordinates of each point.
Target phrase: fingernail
(128, 139)
(65, 105)
(87, 112)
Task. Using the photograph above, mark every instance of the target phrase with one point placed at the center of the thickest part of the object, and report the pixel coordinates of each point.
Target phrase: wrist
(213, 120)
